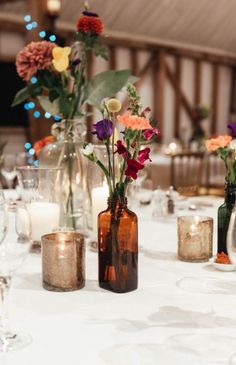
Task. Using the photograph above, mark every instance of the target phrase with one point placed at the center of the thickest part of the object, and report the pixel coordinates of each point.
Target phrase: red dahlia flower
(90, 22)
(133, 167)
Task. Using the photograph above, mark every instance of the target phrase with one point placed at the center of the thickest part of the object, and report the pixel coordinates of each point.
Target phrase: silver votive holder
(195, 236)
(63, 261)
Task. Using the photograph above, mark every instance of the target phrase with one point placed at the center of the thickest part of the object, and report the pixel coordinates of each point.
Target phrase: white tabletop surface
(144, 327)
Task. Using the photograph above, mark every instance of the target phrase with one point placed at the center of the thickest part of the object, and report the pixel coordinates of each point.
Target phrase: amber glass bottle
(118, 247)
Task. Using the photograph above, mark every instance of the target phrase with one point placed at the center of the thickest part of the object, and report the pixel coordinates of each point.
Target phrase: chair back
(187, 172)
(214, 179)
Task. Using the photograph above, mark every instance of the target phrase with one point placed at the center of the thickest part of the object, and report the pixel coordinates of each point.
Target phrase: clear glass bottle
(224, 214)
(65, 153)
(118, 247)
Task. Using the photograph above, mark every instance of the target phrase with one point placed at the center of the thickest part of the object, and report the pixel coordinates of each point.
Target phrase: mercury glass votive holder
(63, 261)
(195, 236)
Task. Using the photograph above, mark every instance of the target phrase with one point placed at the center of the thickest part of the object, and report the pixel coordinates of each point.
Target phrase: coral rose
(221, 141)
(134, 122)
(34, 57)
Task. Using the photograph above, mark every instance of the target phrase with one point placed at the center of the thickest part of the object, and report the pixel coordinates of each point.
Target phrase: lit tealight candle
(195, 238)
(63, 261)
(44, 217)
(99, 203)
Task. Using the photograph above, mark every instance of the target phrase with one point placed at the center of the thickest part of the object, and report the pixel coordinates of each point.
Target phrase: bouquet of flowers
(225, 147)
(200, 113)
(56, 76)
(117, 226)
(137, 131)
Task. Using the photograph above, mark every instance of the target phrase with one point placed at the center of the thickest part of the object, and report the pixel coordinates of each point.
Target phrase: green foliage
(101, 51)
(107, 84)
(21, 96)
(47, 105)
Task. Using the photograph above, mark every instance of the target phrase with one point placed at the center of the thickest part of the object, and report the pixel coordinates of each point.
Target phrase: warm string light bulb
(53, 7)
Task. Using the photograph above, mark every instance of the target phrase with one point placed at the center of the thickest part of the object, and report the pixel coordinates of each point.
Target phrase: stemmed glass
(3, 218)
(8, 170)
(12, 255)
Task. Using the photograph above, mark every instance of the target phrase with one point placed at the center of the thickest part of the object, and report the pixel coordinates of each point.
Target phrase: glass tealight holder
(195, 236)
(41, 192)
(63, 261)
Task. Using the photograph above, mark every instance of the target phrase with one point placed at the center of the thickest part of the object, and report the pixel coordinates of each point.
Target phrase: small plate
(222, 267)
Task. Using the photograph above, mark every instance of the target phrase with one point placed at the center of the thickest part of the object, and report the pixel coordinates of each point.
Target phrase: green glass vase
(224, 214)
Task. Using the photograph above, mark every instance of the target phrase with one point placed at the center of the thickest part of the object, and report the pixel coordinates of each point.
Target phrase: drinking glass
(3, 217)
(40, 191)
(12, 256)
(8, 171)
(231, 238)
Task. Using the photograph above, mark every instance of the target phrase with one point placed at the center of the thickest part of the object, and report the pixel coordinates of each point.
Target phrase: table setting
(99, 264)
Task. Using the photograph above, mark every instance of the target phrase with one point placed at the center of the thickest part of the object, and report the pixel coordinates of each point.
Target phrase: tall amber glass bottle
(118, 247)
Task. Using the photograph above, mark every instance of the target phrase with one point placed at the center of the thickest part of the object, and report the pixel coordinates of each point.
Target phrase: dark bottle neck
(114, 202)
(230, 191)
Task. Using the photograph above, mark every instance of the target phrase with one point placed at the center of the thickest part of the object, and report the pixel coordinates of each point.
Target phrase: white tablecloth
(144, 327)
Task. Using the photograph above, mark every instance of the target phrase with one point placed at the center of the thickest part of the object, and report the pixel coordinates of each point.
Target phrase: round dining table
(182, 312)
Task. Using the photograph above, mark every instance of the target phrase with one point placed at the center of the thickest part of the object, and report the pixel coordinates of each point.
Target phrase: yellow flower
(61, 58)
(114, 105)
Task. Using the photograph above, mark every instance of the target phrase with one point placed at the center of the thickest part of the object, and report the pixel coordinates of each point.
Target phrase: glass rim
(51, 237)
(34, 168)
(201, 218)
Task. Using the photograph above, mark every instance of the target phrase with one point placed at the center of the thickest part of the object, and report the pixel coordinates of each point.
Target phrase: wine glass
(8, 170)
(12, 256)
(3, 217)
(231, 237)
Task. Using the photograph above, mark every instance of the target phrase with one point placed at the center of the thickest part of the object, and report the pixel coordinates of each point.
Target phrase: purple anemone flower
(103, 129)
(232, 127)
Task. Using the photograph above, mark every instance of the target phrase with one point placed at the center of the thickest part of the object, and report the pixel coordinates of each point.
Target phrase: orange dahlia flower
(90, 22)
(221, 141)
(134, 122)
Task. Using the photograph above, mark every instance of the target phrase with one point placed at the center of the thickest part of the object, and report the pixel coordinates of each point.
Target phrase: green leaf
(53, 95)
(101, 51)
(21, 96)
(35, 91)
(48, 106)
(107, 84)
(64, 106)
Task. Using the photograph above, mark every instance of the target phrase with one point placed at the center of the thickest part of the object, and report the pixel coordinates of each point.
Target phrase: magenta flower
(149, 133)
(143, 155)
(34, 57)
(232, 127)
(121, 149)
(133, 167)
(103, 129)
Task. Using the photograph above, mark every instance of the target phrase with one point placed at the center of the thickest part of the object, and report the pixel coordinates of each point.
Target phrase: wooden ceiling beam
(17, 24)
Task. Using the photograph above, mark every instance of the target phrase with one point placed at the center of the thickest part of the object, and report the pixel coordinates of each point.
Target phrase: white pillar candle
(45, 217)
(99, 203)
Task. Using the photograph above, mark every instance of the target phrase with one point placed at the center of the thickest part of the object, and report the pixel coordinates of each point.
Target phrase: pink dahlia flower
(34, 57)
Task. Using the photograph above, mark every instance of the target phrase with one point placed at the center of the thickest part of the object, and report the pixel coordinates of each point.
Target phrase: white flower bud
(88, 149)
